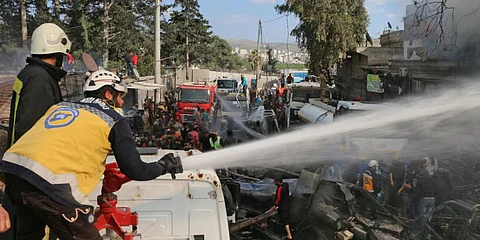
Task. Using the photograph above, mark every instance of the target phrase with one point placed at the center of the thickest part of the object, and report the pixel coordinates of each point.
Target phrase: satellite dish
(389, 25)
(89, 62)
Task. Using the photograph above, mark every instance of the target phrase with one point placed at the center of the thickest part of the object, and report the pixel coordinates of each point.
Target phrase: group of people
(161, 125)
(57, 150)
(412, 188)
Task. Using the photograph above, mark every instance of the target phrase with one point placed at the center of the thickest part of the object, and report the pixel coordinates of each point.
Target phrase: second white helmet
(373, 163)
(102, 78)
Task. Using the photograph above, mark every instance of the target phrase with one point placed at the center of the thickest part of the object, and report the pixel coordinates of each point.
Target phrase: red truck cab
(193, 95)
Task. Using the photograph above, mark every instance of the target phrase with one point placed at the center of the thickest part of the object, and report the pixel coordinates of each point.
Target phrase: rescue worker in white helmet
(60, 161)
(370, 184)
(35, 90)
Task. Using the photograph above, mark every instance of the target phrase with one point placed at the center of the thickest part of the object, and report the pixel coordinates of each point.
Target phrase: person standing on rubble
(282, 204)
(135, 58)
(129, 62)
(289, 79)
(280, 95)
(370, 184)
(324, 86)
(56, 164)
(35, 90)
(426, 188)
(397, 179)
(244, 84)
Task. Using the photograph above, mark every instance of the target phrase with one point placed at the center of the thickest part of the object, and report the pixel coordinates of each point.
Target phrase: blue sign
(299, 76)
(61, 117)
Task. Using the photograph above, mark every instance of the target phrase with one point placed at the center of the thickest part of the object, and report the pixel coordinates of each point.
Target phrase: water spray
(433, 124)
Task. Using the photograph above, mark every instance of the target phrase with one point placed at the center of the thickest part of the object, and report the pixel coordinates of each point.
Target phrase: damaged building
(438, 46)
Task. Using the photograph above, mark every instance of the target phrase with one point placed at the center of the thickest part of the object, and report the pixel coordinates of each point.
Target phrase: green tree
(327, 29)
(255, 60)
(189, 33)
(10, 25)
(271, 61)
(42, 14)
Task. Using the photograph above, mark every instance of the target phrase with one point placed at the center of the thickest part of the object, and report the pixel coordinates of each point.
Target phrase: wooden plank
(244, 224)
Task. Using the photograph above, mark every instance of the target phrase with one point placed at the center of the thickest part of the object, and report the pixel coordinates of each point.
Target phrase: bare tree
(440, 19)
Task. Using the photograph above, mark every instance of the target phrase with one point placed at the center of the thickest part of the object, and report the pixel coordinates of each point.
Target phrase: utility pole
(158, 61)
(187, 57)
(256, 61)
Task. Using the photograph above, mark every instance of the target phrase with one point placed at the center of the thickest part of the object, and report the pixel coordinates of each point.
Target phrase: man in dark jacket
(282, 204)
(230, 140)
(36, 89)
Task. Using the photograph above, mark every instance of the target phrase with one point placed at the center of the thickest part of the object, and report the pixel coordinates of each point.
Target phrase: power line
(274, 19)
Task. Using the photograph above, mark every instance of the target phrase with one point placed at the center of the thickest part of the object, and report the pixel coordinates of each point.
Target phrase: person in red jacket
(282, 204)
(135, 58)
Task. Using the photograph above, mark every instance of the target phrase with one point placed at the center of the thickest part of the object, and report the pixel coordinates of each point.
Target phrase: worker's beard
(59, 57)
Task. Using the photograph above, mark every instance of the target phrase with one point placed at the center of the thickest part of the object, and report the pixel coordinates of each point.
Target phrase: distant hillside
(249, 44)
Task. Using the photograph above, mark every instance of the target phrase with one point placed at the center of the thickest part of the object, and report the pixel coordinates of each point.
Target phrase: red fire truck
(193, 95)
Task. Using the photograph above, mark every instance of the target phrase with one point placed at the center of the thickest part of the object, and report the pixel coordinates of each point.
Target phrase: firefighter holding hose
(61, 160)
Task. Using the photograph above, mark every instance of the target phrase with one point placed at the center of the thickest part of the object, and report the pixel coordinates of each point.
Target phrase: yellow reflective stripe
(47, 233)
(17, 88)
(48, 175)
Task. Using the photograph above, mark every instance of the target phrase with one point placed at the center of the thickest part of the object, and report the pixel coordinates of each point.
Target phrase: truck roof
(195, 86)
(304, 85)
(154, 154)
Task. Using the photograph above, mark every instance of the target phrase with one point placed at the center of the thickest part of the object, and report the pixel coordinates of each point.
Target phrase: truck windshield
(226, 83)
(233, 106)
(194, 95)
(304, 96)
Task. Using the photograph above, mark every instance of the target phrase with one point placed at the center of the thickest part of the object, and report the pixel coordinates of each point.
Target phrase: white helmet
(49, 38)
(102, 78)
(373, 163)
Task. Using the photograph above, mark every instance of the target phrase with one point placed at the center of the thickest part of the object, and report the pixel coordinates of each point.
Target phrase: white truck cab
(190, 207)
(226, 85)
(300, 95)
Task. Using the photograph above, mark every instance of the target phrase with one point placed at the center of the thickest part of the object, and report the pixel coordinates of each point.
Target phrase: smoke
(449, 28)
(13, 61)
(239, 120)
(466, 23)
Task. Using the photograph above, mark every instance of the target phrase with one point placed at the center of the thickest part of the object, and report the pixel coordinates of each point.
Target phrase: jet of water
(238, 119)
(444, 125)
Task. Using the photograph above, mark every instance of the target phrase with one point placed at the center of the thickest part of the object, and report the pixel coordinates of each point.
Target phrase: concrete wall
(203, 75)
(392, 39)
(380, 55)
(437, 70)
